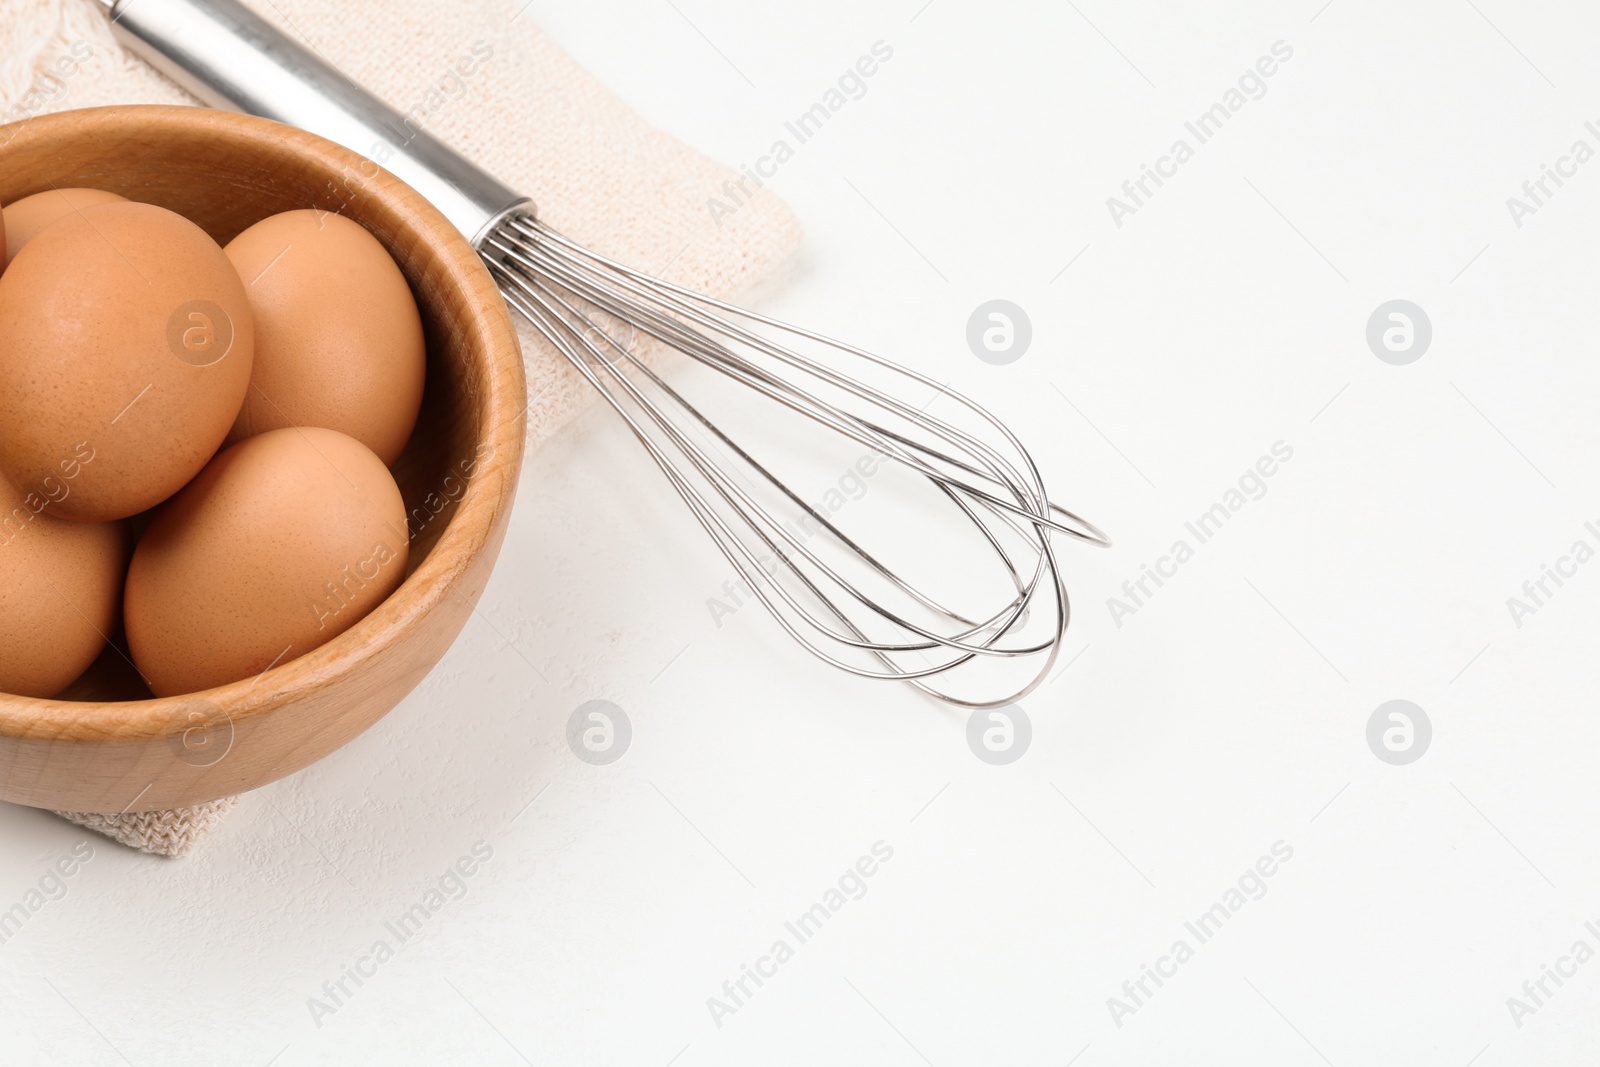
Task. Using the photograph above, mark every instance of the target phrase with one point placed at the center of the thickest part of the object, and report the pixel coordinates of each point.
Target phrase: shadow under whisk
(842, 602)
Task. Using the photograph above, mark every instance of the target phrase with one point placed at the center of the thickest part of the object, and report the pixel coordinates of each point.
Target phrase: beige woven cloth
(526, 112)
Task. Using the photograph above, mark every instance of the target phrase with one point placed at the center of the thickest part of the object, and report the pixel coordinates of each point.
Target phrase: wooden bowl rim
(488, 331)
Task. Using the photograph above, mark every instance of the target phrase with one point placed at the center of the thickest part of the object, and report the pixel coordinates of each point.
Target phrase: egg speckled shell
(282, 543)
(126, 343)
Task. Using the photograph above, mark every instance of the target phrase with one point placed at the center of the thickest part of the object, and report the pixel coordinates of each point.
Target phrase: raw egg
(126, 342)
(338, 337)
(60, 584)
(282, 543)
(26, 217)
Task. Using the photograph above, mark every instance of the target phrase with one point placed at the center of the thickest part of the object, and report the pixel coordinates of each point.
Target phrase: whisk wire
(564, 290)
(727, 490)
(685, 301)
(839, 535)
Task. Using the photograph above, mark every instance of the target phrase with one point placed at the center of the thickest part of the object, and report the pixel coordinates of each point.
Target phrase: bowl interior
(225, 176)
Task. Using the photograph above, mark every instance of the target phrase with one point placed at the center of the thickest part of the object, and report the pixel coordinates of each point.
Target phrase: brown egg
(60, 584)
(338, 336)
(26, 217)
(126, 343)
(281, 544)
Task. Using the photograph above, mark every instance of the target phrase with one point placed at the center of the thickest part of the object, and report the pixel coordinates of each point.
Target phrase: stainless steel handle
(229, 57)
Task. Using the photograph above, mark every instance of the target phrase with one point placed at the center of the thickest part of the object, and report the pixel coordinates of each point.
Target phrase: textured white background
(1227, 714)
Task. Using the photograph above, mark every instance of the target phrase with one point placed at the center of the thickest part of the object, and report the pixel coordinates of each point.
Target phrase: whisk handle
(232, 59)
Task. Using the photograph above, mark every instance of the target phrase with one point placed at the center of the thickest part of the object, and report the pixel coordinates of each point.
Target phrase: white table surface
(1225, 716)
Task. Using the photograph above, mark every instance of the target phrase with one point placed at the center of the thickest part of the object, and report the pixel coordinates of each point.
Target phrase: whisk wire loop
(594, 310)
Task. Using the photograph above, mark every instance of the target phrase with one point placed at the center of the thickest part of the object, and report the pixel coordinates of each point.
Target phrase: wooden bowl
(106, 744)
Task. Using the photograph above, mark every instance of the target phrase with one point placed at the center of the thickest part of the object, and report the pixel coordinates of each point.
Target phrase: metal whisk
(832, 594)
